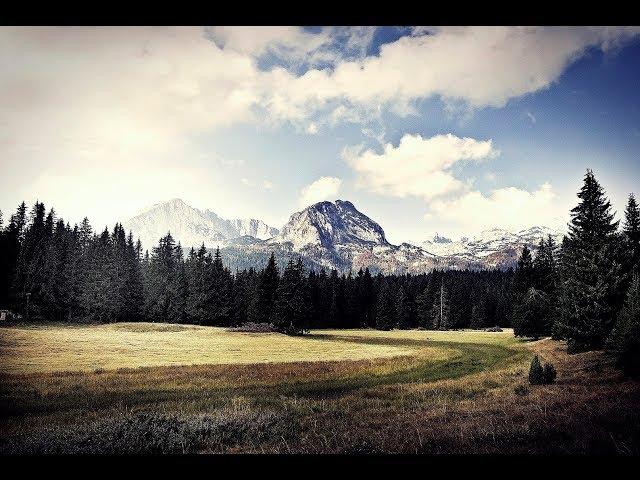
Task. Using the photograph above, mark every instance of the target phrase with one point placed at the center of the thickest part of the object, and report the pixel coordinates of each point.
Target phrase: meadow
(164, 388)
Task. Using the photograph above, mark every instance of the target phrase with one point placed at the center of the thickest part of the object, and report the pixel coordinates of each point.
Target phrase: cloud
(468, 67)
(295, 46)
(312, 129)
(510, 208)
(417, 166)
(147, 88)
(75, 99)
(325, 188)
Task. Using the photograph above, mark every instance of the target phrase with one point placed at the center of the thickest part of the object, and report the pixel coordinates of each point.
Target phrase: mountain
(491, 248)
(330, 224)
(334, 235)
(191, 226)
(329, 235)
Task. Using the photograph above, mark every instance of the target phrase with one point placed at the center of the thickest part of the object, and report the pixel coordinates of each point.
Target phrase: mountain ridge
(330, 235)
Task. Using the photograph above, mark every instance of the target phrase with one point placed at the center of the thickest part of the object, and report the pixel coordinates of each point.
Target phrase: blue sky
(424, 130)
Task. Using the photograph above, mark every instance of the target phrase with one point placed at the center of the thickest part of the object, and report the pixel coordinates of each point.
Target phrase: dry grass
(130, 345)
(449, 392)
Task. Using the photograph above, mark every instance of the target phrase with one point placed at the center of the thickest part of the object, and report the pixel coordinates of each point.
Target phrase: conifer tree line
(584, 290)
(52, 271)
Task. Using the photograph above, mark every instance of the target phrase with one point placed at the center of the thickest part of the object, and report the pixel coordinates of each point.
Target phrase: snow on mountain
(495, 247)
(329, 235)
(337, 235)
(253, 228)
(329, 224)
(192, 227)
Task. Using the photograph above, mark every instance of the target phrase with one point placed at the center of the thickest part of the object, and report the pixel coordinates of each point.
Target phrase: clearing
(162, 388)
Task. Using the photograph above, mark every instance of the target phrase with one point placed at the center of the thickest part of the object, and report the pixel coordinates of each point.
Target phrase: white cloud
(312, 129)
(510, 208)
(295, 45)
(325, 188)
(417, 166)
(75, 99)
(468, 67)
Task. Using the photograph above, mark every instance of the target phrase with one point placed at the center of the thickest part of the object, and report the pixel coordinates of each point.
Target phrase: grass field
(159, 388)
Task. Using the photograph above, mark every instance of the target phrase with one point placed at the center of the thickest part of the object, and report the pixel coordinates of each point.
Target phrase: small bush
(536, 372)
(539, 375)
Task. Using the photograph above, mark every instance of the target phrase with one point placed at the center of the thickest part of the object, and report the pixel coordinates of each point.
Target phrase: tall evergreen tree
(631, 231)
(290, 314)
(262, 303)
(593, 280)
(199, 275)
(524, 274)
(385, 308)
(404, 309)
(166, 283)
(424, 308)
(30, 269)
(624, 341)
(532, 316)
(221, 301)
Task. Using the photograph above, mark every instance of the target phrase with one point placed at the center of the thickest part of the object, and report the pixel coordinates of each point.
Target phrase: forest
(585, 290)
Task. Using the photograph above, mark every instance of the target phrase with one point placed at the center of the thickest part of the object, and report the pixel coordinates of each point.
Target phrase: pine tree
(533, 315)
(593, 280)
(624, 341)
(385, 308)
(166, 283)
(545, 267)
(221, 301)
(524, 274)
(479, 315)
(631, 231)
(404, 309)
(30, 267)
(262, 303)
(290, 309)
(367, 300)
(199, 275)
(424, 308)
(134, 300)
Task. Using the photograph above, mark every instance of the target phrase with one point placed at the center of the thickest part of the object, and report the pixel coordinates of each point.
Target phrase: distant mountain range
(192, 227)
(328, 235)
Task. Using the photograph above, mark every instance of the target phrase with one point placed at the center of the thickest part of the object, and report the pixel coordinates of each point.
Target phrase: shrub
(539, 375)
(536, 372)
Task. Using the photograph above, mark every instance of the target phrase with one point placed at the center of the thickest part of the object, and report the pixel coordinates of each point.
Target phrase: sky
(427, 130)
